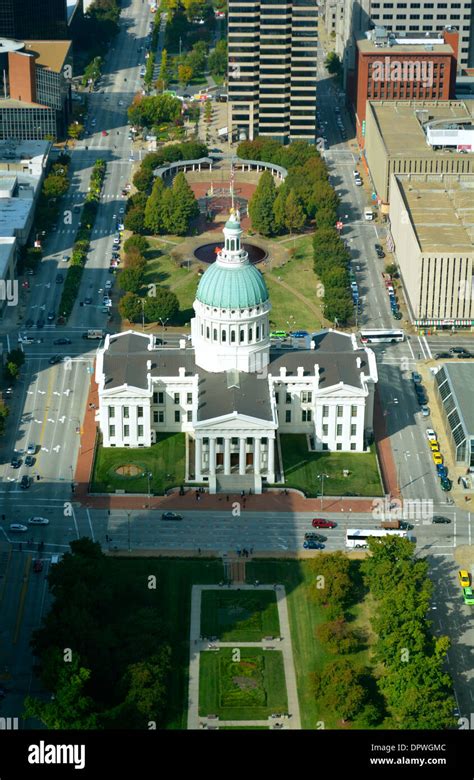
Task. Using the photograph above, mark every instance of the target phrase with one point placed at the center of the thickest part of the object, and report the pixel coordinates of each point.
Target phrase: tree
(146, 686)
(163, 305)
(75, 129)
(153, 211)
(70, 708)
(164, 75)
(138, 242)
(341, 688)
(338, 637)
(261, 205)
(279, 208)
(207, 111)
(338, 306)
(326, 216)
(294, 214)
(333, 64)
(130, 307)
(135, 259)
(131, 279)
(55, 186)
(217, 61)
(135, 220)
(178, 206)
(143, 179)
(185, 74)
(331, 579)
(4, 412)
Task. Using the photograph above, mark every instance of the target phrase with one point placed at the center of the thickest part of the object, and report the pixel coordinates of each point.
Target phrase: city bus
(381, 336)
(357, 537)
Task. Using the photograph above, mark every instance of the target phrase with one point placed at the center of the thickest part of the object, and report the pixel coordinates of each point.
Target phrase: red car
(104, 132)
(37, 565)
(318, 522)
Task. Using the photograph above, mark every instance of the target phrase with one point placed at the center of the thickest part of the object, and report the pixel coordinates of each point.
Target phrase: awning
(444, 323)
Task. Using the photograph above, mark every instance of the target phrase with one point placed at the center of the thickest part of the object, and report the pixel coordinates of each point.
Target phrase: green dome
(232, 288)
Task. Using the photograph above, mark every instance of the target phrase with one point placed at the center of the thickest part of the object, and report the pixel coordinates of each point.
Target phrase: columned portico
(226, 455)
(256, 455)
(242, 455)
(212, 455)
(271, 459)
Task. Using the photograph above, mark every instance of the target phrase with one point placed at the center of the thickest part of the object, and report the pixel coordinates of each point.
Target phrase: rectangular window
(306, 415)
(353, 445)
(125, 412)
(288, 416)
(111, 430)
(306, 397)
(155, 398)
(139, 430)
(325, 411)
(176, 398)
(338, 430)
(325, 430)
(339, 446)
(161, 398)
(126, 430)
(353, 430)
(111, 412)
(340, 411)
(189, 398)
(177, 416)
(277, 398)
(353, 411)
(139, 411)
(288, 398)
(325, 446)
(155, 417)
(161, 417)
(189, 416)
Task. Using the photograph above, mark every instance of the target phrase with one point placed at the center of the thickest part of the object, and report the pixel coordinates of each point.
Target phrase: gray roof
(218, 395)
(461, 380)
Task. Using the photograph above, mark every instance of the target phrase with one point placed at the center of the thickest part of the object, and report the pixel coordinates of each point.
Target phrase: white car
(23, 338)
(17, 527)
(31, 449)
(431, 434)
(38, 521)
(121, 211)
(116, 241)
(65, 258)
(425, 411)
(108, 284)
(120, 102)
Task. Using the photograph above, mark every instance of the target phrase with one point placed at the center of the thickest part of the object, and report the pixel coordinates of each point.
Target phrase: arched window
(214, 334)
(207, 333)
(232, 336)
(232, 245)
(263, 331)
(250, 334)
(242, 335)
(224, 336)
(257, 333)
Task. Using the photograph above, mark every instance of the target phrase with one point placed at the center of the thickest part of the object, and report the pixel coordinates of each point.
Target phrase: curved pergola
(207, 163)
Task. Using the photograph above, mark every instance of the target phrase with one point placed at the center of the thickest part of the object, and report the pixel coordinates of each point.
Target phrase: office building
(272, 70)
(411, 137)
(38, 19)
(432, 232)
(228, 390)
(391, 68)
(35, 96)
(454, 382)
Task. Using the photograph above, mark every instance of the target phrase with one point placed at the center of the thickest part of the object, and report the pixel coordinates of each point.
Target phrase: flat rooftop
(431, 47)
(441, 212)
(23, 150)
(401, 130)
(49, 54)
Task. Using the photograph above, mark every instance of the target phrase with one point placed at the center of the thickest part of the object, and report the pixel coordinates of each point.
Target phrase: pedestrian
(242, 493)
(199, 551)
(227, 498)
(198, 497)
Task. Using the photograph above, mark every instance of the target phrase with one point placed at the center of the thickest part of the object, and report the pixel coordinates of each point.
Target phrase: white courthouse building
(229, 389)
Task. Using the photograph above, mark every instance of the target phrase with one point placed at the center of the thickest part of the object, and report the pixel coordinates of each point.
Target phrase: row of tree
(331, 264)
(114, 673)
(171, 209)
(416, 688)
(154, 110)
(275, 211)
(55, 186)
(81, 245)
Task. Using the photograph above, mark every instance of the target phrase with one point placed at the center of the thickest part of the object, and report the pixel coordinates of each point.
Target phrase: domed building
(231, 326)
(230, 389)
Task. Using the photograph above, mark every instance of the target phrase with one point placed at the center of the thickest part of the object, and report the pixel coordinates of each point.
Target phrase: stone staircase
(235, 483)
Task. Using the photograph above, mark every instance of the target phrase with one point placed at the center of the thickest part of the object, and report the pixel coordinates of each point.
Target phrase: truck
(387, 524)
(368, 214)
(94, 333)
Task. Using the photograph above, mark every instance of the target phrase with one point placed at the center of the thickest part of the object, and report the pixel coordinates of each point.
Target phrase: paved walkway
(283, 644)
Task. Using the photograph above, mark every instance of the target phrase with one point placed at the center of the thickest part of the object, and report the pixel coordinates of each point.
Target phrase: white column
(198, 458)
(256, 456)
(242, 455)
(226, 455)
(212, 455)
(271, 456)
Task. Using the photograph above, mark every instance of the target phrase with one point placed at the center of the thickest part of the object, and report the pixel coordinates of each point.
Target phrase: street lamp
(322, 477)
(142, 301)
(163, 323)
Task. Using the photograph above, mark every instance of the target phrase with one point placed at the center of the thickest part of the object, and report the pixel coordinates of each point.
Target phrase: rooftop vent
(233, 378)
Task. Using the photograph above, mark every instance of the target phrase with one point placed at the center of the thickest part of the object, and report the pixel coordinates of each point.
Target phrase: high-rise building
(273, 69)
(39, 19)
(357, 16)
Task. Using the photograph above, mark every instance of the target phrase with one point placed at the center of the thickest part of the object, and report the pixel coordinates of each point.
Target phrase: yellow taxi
(434, 446)
(464, 578)
(437, 458)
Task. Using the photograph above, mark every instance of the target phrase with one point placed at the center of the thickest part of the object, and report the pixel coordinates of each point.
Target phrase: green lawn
(249, 689)
(165, 460)
(288, 311)
(302, 467)
(239, 616)
(162, 270)
(304, 616)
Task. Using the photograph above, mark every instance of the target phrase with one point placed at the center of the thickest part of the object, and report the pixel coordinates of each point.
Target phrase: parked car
(62, 341)
(51, 316)
(441, 470)
(456, 350)
(55, 359)
(29, 460)
(87, 301)
(65, 258)
(278, 334)
(416, 378)
(17, 528)
(38, 521)
(25, 482)
(397, 315)
(468, 595)
(446, 484)
(299, 334)
(437, 458)
(319, 522)
(311, 545)
(315, 537)
(431, 434)
(442, 356)
(425, 411)
(59, 279)
(439, 519)
(171, 516)
(422, 399)
(379, 252)
(15, 462)
(464, 578)
(31, 448)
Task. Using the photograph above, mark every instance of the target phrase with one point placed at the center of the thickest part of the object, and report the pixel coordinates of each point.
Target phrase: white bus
(381, 336)
(357, 537)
